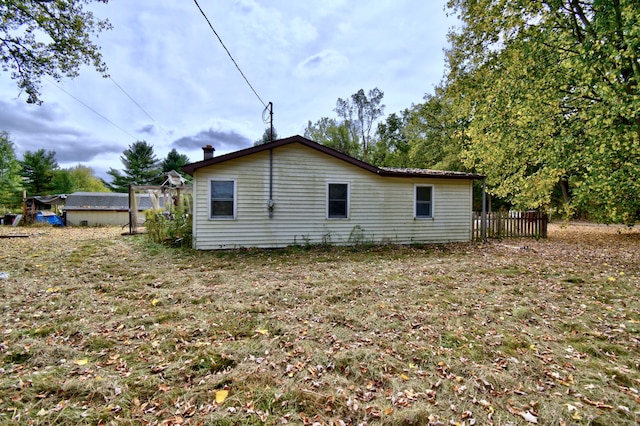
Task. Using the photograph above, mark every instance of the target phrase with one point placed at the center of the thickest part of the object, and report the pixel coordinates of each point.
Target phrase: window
(338, 201)
(424, 202)
(223, 197)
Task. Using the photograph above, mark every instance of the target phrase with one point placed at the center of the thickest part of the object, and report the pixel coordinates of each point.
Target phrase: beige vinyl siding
(381, 209)
(97, 218)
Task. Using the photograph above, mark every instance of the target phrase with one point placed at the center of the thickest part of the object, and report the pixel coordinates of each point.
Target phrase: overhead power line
(93, 110)
(228, 53)
(138, 105)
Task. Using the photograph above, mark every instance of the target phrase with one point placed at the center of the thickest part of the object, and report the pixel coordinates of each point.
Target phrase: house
(296, 191)
(103, 208)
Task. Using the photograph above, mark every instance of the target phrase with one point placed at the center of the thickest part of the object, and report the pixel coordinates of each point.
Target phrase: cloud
(40, 127)
(324, 64)
(220, 140)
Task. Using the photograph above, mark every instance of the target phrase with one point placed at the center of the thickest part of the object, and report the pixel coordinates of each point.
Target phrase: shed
(296, 191)
(103, 208)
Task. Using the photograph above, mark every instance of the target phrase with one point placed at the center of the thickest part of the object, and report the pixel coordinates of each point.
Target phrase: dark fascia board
(419, 173)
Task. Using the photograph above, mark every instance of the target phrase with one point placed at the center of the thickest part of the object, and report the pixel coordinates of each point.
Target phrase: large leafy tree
(141, 167)
(10, 179)
(392, 145)
(38, 171)
(329, 132)
(78, 178)
(435, 133)
(550, 91)
(359, 113)
(47, 37)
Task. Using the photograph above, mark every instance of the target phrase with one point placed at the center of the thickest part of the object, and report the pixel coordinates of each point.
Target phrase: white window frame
(235, 199)
(348, 200)
(415, 202)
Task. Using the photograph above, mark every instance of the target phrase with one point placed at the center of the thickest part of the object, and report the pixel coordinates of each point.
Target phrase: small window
(338, 201)
(222, 199)
(424, 202)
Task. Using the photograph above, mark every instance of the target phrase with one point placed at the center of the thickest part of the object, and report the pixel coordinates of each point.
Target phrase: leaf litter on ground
(98, 328)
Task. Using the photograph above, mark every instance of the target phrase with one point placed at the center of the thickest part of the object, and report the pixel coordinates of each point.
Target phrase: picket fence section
(532, 224)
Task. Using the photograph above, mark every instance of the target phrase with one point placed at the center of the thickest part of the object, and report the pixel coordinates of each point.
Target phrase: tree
(78, 178)
(266, 137)
(174, 161)
(10, 180)
(45, 37)
(38, 170)
(359, 113)
(392, 146)
(435, 134)
(550, 91)
(140, 168)
(328, 132)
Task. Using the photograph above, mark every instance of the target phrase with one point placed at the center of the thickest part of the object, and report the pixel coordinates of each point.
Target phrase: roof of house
(106, 201)
(382, 171)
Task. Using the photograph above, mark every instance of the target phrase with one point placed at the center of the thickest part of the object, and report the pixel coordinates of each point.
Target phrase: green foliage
(38, 170)
(52, 38)
(173, 228)
(266, 137)
(78, 178)
(391, 148)
(550, 91)
(328, 132)
(10, 180)
(140, 167)
(359, 113)
(174, 161)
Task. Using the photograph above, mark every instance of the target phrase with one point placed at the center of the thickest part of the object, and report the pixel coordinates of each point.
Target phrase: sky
(173, 85)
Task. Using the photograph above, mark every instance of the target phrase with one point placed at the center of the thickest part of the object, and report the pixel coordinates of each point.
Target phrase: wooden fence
(531, 224)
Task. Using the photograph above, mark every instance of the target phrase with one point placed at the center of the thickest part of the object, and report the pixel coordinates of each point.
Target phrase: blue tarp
(52, 219)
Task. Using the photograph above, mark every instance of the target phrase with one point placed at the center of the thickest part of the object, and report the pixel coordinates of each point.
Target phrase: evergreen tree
(174, 161)
(141, 167)
(38, 170)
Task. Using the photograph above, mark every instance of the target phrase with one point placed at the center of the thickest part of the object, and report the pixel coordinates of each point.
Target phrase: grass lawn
(98, 328)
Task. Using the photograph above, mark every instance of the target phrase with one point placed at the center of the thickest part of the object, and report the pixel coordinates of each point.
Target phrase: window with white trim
(223, 199)
(338, 200)
(423, 202)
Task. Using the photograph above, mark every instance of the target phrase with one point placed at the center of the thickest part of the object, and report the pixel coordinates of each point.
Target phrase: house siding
(380, 208)
(97, 218)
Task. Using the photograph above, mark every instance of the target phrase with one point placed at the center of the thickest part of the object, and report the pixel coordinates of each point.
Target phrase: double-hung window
(223, 199)
(338, 201)
(423, 202)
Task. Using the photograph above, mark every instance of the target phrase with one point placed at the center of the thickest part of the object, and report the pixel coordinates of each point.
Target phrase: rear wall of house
(381, 208)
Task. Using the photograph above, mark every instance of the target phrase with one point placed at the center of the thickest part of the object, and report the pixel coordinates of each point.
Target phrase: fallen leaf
(221, 395)
(83, 361)
(529, 417)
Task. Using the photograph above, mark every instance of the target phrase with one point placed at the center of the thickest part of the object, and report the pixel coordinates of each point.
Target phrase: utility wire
(93, 110)
(138, 105)
(227, 50)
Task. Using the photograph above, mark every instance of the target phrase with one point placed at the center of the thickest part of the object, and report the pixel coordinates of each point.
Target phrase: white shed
(296, 191)
(102, 208)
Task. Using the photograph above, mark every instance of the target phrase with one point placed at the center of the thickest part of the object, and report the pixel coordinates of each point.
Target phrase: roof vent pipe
(208, 152)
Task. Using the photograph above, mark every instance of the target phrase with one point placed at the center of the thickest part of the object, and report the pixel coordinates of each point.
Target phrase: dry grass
(103, 329)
